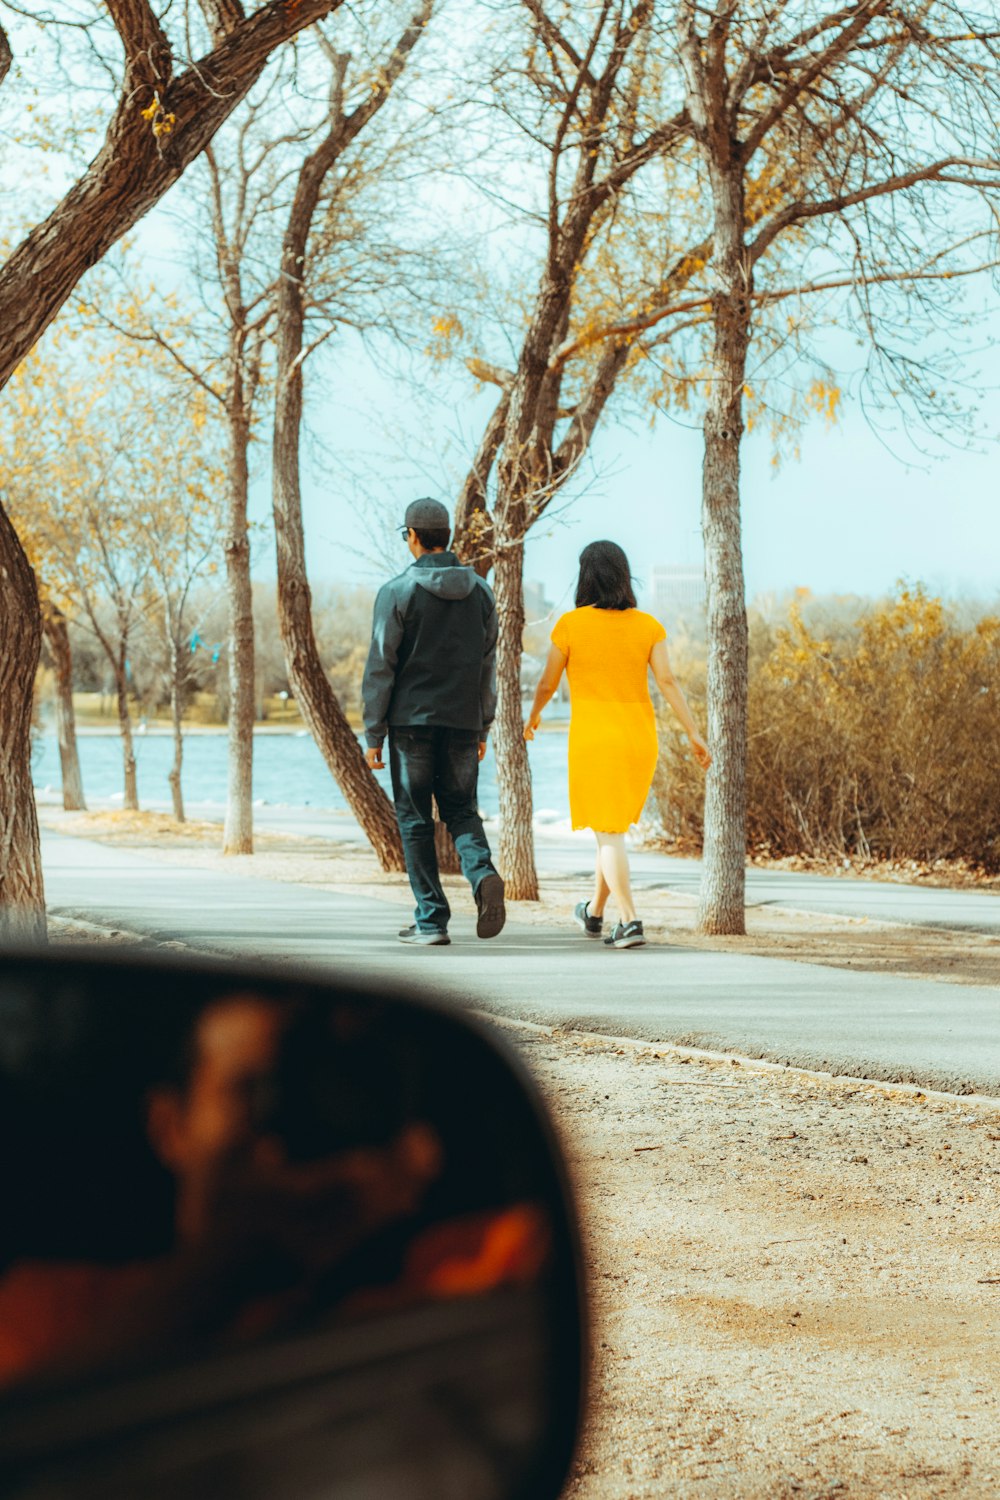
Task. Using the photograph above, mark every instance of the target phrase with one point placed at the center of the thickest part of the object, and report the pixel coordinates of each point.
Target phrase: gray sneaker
(625, 935)
(490, 906)
(592, 926)
(422, 938)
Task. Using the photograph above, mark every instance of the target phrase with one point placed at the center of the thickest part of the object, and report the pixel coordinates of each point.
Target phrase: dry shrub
(877, 738)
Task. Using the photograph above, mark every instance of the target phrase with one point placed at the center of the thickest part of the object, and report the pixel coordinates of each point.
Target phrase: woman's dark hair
(605, 580)
(431, 539)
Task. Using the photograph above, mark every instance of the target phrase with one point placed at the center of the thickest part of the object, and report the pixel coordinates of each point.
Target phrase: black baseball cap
(427, 515)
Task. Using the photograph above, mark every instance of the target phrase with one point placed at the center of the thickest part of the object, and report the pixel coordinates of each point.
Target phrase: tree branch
(587, 415)
(6, 56)
(551, 32)
(142, 36)
(153, 336)
(819, 65)
(358, 119)
(490, 374)
(694, 260)
(142, 156)
(223, 17)
(798, 212)
(474, 540)
(555, 153)
(876, 278)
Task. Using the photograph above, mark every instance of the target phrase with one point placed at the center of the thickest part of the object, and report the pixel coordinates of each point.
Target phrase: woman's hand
(700, 751)
(531, 726)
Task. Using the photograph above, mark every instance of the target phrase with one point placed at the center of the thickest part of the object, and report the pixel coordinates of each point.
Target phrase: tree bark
(721, 907)
(516, 851)
(57, 639)
(22, 891)
(444, 847)
(174, 777)
(237, 835)
(316, 699)
(135, 166)
(131, 802)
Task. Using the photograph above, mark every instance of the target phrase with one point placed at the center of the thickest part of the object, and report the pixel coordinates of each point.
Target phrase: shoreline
(160, 729)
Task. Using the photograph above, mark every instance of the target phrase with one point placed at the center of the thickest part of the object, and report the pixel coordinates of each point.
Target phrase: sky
(851, 514)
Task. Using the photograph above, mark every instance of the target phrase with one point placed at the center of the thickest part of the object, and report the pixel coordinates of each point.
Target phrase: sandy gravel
(795, 1279)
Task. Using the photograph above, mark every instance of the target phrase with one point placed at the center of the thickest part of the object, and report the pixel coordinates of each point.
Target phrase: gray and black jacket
(433, 653)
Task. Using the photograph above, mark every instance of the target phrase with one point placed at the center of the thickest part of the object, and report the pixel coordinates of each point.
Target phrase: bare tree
(853, 153)
(293, 301)
(180, 527)
(166, 113)
(866, 138)
(220, 347)
(590, 124)
(60, 652)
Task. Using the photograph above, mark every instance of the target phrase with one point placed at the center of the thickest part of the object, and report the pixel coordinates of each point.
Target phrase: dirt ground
(794, 1279)
(843, 942)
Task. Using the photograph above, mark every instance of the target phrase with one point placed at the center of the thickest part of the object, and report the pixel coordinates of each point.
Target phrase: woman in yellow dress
(606, 646)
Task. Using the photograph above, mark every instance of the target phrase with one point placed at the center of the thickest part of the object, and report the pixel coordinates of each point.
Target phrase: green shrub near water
(877, 738)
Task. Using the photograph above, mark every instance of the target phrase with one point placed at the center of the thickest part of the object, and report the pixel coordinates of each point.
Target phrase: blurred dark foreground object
(268, 1237)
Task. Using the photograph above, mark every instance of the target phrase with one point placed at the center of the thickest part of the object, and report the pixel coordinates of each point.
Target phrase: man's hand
(373, 755)
(482, 749)
(700, 751)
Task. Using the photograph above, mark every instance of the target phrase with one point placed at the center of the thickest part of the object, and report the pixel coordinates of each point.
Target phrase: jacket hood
(442, 574)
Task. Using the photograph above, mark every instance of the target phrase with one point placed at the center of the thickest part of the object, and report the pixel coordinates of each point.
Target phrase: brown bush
(879, 738)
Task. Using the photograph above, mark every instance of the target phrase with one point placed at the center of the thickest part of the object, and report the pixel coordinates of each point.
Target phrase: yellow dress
(612, 728)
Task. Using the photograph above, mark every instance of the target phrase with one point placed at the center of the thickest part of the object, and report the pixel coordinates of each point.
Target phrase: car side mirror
(273, 1238)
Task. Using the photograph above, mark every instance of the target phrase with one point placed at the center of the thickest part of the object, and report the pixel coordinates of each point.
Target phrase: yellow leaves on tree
(161, 120)
(446, 330)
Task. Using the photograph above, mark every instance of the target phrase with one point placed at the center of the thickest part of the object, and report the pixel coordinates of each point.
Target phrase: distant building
(678, 595)
(536, 605)
(539, 618)
(531, 671)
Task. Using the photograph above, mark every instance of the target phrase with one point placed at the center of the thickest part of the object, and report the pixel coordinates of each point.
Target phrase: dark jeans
(428, 762)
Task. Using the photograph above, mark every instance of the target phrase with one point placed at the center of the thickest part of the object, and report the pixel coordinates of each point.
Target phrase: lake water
(288, 771)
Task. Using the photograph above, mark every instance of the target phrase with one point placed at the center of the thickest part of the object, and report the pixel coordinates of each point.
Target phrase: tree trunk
(174, 777)
(22, 891)
(722, 905)
(57, 638)
(317, 701)
(131, 803)
(237, 836)
(444, 847)
(517, 842)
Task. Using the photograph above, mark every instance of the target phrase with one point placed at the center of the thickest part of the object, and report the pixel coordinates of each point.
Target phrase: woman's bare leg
(613, 866)
(599, 900)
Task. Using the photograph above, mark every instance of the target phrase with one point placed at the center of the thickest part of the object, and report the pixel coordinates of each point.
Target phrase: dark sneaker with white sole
(625, 935)
(489, 901)
(423, 937)
(592, 926)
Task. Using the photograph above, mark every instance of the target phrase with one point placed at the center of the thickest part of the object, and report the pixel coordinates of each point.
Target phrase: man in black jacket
(430, 684)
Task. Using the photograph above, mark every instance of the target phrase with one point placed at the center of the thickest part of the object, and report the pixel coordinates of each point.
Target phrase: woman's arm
(671, 690)
(547, 684)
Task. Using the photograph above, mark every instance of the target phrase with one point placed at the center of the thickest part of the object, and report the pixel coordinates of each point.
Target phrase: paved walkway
(559, 852)
(937, 1035)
